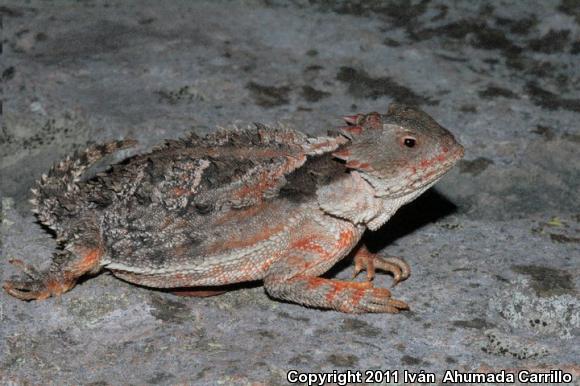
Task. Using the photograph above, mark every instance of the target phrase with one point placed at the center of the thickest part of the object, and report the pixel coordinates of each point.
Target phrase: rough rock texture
(495, 248)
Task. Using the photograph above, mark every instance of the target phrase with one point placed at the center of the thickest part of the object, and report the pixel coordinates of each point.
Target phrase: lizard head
(400, 152)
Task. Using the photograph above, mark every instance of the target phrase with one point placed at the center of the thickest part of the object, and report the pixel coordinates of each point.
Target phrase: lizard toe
(395, 265)
(379, 300)
(402, 264)
(26, 289)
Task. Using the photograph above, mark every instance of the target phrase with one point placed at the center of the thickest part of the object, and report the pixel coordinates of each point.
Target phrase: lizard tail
(54, 194)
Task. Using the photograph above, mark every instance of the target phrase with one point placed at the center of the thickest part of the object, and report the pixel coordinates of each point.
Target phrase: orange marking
(365, 166)
(268, 179)
(345, 239)
(309, 244)
(357, 296)
(56, 288)
(265, 265)
(88, 262)
(330, 295)
(338, 286)
(178, 192)
(358, 165)
(254, 191)
(314, 282)
(245, 240)
(432, 161)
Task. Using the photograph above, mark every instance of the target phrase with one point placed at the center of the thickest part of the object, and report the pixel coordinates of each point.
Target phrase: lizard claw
(370, 262)
(402, 266)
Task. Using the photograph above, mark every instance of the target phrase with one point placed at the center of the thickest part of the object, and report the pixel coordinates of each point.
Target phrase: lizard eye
(409, 141)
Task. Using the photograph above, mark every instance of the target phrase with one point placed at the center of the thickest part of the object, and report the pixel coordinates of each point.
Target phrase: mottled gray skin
(241, 205)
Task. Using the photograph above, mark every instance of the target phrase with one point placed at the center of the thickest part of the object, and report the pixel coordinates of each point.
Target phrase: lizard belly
(240, 246)
(240, 259)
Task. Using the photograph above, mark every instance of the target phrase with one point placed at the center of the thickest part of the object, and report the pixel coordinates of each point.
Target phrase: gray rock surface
(495, 248)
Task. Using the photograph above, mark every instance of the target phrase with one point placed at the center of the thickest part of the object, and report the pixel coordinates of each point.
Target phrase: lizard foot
(35, 286)
(345, 296)
(367, 261)
(379, 300)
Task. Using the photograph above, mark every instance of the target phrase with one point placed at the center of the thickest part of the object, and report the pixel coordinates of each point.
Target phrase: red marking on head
(441, 157)
(426, 163)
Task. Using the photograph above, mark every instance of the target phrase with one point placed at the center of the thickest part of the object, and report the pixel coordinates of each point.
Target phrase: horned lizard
(261, 203)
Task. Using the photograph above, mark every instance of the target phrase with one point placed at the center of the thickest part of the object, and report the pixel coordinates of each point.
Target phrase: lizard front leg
(294, 276)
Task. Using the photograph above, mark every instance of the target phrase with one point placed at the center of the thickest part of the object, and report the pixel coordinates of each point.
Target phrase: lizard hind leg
(65, 270)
